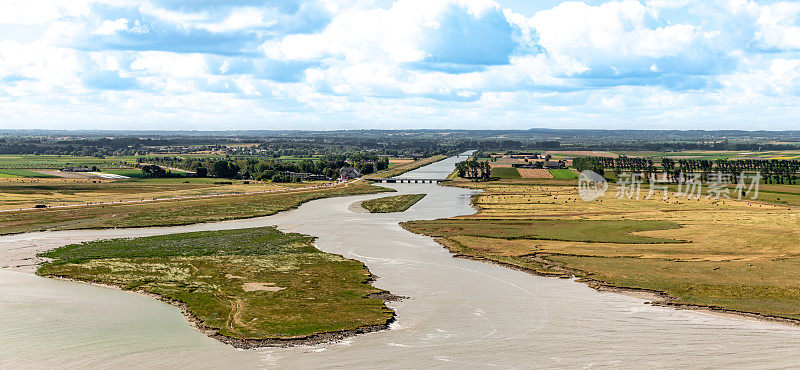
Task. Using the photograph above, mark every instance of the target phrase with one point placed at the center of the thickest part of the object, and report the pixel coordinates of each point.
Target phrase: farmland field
(505, 172)
(24, 173)
(535, 173)
(564, 174)
(31, 161)
(249, 284)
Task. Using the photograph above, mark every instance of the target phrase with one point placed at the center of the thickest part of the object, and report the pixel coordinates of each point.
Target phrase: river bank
(460, 313)
(690, 259)
(649, 296)
(240, 343)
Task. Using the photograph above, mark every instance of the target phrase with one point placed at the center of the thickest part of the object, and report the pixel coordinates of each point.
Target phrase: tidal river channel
(459, 314)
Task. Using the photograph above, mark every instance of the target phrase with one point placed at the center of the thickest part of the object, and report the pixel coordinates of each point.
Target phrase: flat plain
(172, 212)
(724, 254)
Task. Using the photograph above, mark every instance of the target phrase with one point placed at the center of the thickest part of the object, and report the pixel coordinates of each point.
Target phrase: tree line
(773, 171)
(253, 168)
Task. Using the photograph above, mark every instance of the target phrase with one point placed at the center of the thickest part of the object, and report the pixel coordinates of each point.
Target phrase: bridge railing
(400, 180)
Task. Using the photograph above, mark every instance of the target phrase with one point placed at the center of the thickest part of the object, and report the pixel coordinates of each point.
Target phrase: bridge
(400, 180)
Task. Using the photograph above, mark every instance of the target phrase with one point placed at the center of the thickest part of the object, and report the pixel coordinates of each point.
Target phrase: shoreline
(248, 343)
(356, 207)
(652, 297)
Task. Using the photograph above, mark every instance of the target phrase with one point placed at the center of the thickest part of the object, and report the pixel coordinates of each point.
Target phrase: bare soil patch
(269, 287)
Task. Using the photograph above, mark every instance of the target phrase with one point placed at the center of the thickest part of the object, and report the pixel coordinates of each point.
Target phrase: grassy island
(397, 203)
(248, 287)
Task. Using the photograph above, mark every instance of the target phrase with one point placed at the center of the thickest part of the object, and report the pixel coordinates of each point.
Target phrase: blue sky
(333, 64)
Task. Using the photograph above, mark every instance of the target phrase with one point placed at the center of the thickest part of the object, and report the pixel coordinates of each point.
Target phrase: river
(460, 313)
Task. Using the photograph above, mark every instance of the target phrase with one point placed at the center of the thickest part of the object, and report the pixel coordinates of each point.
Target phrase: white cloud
(779, 25)
(779, 77)
(240, 19)
(450, 63)
(111, 27)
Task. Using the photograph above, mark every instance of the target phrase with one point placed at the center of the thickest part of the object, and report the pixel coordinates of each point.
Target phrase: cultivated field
(251, 284)
(505, 173)
(535, 173)
(564, 173)
(736, 255)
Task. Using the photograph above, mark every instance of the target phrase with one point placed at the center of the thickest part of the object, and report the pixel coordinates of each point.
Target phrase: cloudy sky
(328, 64)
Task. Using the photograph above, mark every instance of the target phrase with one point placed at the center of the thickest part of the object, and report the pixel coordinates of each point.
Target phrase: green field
(253, 284)
(25, 161)
(505, 173)
(564, 174)
(24, 173)
(397, 203)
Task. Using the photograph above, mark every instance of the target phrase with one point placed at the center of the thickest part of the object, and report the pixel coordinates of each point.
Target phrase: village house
(554, 165)
(347, 173)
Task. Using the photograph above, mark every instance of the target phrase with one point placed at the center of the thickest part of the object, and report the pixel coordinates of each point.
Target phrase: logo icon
(591, 185)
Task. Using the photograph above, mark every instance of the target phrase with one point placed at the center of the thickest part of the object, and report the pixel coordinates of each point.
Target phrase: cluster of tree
(224, 169)
(476, 170)
(588, 163)
(152, 170)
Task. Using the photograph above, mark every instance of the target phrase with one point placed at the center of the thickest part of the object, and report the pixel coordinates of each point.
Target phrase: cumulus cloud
(334, 63)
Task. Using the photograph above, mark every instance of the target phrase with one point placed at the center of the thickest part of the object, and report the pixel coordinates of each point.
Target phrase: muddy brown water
(460, 314)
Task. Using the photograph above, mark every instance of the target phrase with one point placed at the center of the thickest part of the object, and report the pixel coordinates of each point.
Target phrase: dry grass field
(172, 212)
(729, 254)
(18, 193)
(535, 173)
(397, 203)
(399, 161)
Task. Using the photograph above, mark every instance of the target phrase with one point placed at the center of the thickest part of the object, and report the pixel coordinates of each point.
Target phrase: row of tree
(777, 171)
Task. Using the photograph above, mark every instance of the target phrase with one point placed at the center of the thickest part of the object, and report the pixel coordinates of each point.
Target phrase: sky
(340, 64)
